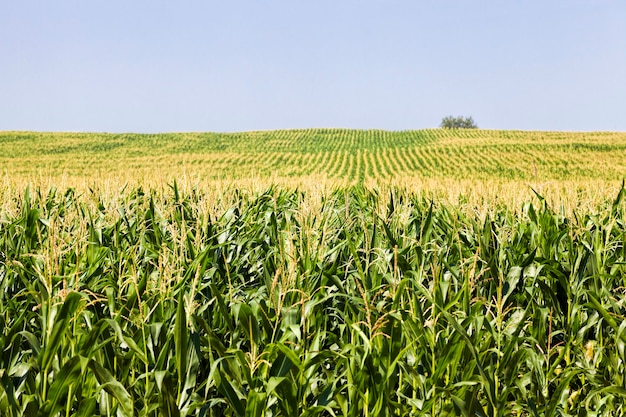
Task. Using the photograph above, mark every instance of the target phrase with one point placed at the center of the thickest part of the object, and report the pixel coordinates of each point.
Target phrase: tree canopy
(458, 122)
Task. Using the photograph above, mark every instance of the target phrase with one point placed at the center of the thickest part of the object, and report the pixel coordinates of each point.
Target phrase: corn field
(341, 155)
(350, 302)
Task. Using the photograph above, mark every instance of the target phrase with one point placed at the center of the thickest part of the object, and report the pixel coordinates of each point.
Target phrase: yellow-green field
(334, 154)
(480, 164)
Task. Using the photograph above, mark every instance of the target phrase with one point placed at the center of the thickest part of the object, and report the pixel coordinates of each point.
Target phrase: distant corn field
(269, 291)
(334, 154)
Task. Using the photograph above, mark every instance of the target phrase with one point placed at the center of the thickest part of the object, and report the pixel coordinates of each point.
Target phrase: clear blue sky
(190, 65)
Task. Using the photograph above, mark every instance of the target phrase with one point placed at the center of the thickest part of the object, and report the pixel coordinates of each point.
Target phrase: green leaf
(181, 340)
(255, 404)
(70, 375)
(132, 345)
(167, 397)
(113, 387)
(225, 387)
(60, 327)
(87, 407)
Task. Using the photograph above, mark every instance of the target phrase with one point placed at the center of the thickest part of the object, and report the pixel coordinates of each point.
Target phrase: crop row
(423, 161)
(340, 154)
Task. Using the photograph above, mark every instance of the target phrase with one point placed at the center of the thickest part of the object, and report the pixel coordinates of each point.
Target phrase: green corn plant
(356, 301)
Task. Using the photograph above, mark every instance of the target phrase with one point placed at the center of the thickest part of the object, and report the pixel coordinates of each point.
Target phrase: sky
(238, 65)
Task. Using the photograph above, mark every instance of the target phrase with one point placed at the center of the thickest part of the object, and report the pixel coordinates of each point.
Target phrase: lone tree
(459, 122)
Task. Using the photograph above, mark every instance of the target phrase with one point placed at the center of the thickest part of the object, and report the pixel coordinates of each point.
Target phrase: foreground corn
(347, 303)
